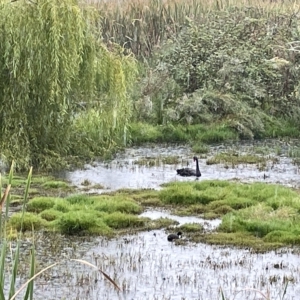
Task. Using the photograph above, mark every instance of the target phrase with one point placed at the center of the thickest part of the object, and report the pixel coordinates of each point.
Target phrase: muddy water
(147, 266)
(124, 172)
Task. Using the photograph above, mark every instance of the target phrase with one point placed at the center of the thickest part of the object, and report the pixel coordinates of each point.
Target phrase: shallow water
(123, 172)
(147, 266)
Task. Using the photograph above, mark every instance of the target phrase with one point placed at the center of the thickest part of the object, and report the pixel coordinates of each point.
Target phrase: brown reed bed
(142, 25)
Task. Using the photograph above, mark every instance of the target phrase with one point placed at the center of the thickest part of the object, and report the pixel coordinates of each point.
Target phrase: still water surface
(147, 266)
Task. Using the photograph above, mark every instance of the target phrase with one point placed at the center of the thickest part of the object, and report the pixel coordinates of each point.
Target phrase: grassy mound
(258, 215)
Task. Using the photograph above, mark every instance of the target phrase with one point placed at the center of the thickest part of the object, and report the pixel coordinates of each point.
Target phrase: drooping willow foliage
(51, 60)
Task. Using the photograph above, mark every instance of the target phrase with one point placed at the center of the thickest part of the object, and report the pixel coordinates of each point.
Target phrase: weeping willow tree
(51, 59)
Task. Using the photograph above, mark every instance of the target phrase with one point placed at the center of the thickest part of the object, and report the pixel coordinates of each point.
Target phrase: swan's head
(195, 158)
(179, 233)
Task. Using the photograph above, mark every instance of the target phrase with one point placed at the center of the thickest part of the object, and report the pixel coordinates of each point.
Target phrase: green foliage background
(52, 60)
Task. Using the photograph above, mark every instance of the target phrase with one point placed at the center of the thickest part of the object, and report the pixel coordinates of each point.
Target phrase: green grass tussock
(117, 204)
(50, 214)
(267, 213)
(118, 220)
(185, 193)
(55, 184)
(27, 222)
(82, 213)
(74, 222)
(39, 204)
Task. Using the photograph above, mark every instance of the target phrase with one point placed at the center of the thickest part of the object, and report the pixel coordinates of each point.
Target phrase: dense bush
(234, 66)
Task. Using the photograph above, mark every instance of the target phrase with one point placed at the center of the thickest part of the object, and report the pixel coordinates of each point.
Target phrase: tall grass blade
(14, 271)
(26, 195)
(222, 294)
(2, 201)
(284, 291)
(31, 279)
(10, 178)
(29, 290)
(2, 297)
(2, 269)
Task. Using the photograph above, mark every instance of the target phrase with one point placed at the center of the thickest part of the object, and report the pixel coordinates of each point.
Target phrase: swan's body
(189, 171)
(174, 236)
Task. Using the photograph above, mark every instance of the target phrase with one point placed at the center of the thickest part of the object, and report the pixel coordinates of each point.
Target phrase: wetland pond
(145, 265)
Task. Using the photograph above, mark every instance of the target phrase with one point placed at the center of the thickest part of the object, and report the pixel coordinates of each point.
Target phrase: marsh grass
(200, 148)
(80, 214)
(258, 215)
(24, 221)
(157, 161)
(191, 227)
(234, 158)
(162, 223)
(203, 134)
(142, 25)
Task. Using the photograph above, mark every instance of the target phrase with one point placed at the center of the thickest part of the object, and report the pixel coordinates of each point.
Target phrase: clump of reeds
(141, 25)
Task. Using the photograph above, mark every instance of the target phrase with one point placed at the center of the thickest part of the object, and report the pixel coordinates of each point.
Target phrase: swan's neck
(198, 173)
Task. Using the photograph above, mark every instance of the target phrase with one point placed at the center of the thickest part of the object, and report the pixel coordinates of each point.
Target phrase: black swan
(189, 171)
(174, 236)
